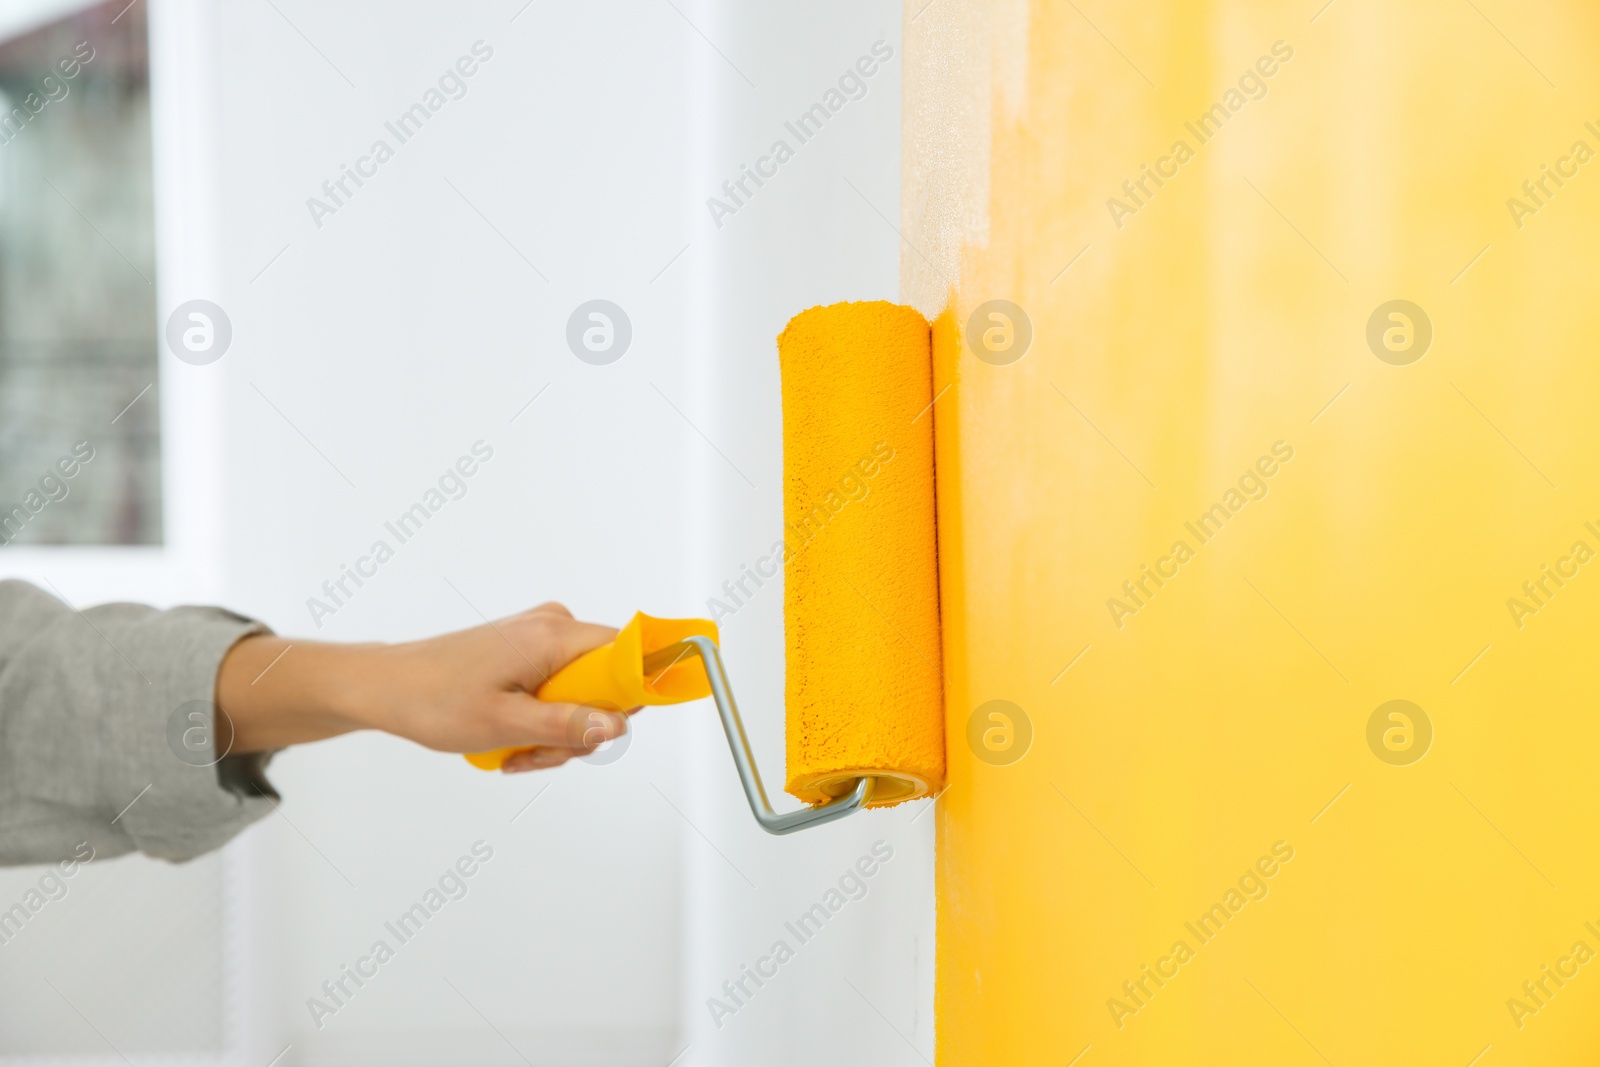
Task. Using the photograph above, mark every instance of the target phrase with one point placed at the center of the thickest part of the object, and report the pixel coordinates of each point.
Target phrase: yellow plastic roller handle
(612, 676)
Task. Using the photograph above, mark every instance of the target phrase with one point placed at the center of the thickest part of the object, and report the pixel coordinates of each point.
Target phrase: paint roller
(864, 688)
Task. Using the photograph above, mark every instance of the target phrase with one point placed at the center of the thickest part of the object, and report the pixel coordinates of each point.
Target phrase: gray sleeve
(107, 733)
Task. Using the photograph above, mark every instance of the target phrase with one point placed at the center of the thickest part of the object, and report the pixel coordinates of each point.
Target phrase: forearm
(278, 692)
(99, 709)
(468, 691)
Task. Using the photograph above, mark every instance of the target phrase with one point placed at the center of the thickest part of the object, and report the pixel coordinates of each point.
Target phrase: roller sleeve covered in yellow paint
(861, 593)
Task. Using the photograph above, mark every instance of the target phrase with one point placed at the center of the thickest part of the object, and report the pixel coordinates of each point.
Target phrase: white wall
(392, 338)
(371, 352)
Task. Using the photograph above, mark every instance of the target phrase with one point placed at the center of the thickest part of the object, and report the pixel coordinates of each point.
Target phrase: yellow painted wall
(1229, 715)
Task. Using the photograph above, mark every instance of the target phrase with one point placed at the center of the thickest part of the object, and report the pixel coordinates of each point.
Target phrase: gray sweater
(106, 731)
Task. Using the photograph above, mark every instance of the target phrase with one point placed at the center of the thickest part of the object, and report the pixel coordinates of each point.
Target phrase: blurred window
(78, 331)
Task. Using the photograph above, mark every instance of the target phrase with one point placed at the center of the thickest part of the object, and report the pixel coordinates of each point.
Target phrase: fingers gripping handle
(682, 664)
(615, 677)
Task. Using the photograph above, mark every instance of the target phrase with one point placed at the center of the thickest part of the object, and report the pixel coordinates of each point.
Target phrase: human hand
(469, 691)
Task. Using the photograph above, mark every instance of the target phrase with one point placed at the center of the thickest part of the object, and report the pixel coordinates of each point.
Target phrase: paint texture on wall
(1275, 553)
